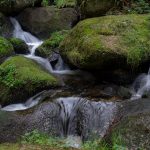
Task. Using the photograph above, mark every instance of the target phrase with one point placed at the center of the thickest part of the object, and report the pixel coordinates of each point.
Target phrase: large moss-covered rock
(93, 8)
(109, 42)
(21, 78)
(135, 131)
(6, 49)
(134, 128)
(15, 6)
(20, 47)
(6, 29)
(47, 20)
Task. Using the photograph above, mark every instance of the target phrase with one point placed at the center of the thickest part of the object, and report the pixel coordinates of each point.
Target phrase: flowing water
(141, 86)
(82, 117)
(23, 106)
(33, 43)
(76, 116)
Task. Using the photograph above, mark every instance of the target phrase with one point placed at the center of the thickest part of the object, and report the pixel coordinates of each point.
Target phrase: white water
(33, 43)
(28, 38)
(73, 141)
(141, 86)
(23, 106)
(94, 116)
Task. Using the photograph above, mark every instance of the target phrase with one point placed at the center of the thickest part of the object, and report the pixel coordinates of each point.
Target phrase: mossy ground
(21, 77)
(96, 42)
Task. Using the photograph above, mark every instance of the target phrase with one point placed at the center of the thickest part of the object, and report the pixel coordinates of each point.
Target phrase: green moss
(65, 3)
(6, 48)
(23, 77)
(20, 46)
(100, 41)
(45, 50)
(16, 41)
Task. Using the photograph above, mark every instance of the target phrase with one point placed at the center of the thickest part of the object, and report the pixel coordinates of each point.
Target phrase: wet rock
(124, 93)
(100, 92)
(20, 47)
(49, 19)
(83, 118)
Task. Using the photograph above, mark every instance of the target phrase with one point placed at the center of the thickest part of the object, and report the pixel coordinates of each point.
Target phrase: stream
(66, 116)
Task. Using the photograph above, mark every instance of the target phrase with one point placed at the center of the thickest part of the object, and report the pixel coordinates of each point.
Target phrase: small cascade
(28, 38)
(75, 118)
(141, 86)
(23, 106)
(80, 117)
(62, 68)
(61, 65)
(33, 43)
(43, 62)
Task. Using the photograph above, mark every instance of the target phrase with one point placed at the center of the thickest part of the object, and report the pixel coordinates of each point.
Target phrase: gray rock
(6, 29)
(48, 20)
(14, 6)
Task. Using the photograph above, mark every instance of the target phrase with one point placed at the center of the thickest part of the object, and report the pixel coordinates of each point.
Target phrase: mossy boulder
(6, 28)
(48, 20)
(134, 127)
(93, 8)
(6, 49)
(21, 78)
(110, 42)
(51, 45)
(20, 47)
(10, 7)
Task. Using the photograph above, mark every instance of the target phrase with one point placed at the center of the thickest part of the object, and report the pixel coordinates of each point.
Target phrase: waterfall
(33, 43)
(81, 117)
(28, 38)
(77, 117)
(141, 86)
